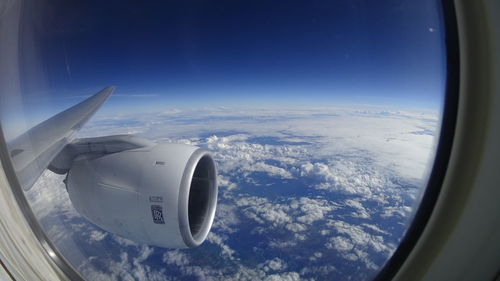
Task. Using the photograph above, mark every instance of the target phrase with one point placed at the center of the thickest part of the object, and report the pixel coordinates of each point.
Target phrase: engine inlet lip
(183, 210)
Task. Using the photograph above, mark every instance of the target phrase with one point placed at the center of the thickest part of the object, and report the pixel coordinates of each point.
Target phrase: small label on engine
(157, 212)
(156, 199)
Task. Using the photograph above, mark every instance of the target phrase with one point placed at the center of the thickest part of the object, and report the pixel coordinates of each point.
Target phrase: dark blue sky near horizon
(183, 53)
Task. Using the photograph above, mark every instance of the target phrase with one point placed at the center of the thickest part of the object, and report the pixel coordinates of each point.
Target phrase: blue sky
(195, 53)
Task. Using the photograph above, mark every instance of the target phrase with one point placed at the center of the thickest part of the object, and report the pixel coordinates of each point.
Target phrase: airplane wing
(32, 152)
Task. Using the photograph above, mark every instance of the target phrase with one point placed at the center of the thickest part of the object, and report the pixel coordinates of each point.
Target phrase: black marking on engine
(157, 212)
(16, 152)
(160, 163)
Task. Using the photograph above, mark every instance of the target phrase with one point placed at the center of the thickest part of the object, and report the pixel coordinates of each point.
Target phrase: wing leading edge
(32, 152)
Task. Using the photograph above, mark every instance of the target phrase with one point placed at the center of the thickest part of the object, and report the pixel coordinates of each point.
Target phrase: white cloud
(318, 270)
(354, 243)
(374, 228)
(340, 243)
(382, 137)
(282, 244)
(313, 209)
(263, 211)
(402, 211)
(223, 181)
(96, 235)
(316, 256)
(275, 264)
(356, 156)
(226, 220)
(176, 257)
(296, 227)
(48, 197)
(288, 276)
(122, 269)
(295, 215)
(360, 212)
(349, 177)
(358, 236)
(219, 241)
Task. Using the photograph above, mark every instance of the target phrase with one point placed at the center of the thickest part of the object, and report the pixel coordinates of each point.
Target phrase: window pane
(322, 118)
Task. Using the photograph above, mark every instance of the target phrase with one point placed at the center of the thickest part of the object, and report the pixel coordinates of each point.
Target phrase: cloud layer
(305, 194)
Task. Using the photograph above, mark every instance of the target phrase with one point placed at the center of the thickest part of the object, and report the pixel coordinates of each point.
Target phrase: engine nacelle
(163, 195)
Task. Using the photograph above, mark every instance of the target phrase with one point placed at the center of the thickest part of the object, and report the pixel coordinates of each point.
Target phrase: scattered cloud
(96, 235)
(288, 179)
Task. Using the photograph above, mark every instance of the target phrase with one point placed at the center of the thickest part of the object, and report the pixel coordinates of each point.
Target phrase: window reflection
(322, 118)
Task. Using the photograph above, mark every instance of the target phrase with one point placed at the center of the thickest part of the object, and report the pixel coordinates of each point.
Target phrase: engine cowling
(163, 195)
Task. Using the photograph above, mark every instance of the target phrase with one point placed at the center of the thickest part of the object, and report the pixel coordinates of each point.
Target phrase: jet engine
(159, 194)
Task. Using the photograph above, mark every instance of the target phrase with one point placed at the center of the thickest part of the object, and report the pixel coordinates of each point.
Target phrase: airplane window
(223, 140)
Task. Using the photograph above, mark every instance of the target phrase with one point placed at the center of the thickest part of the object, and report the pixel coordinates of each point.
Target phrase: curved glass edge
(51, 253)
(11, 13)
(443, 150)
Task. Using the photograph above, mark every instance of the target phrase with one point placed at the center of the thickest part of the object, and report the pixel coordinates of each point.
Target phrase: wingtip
(107, 91)
(110, 88)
